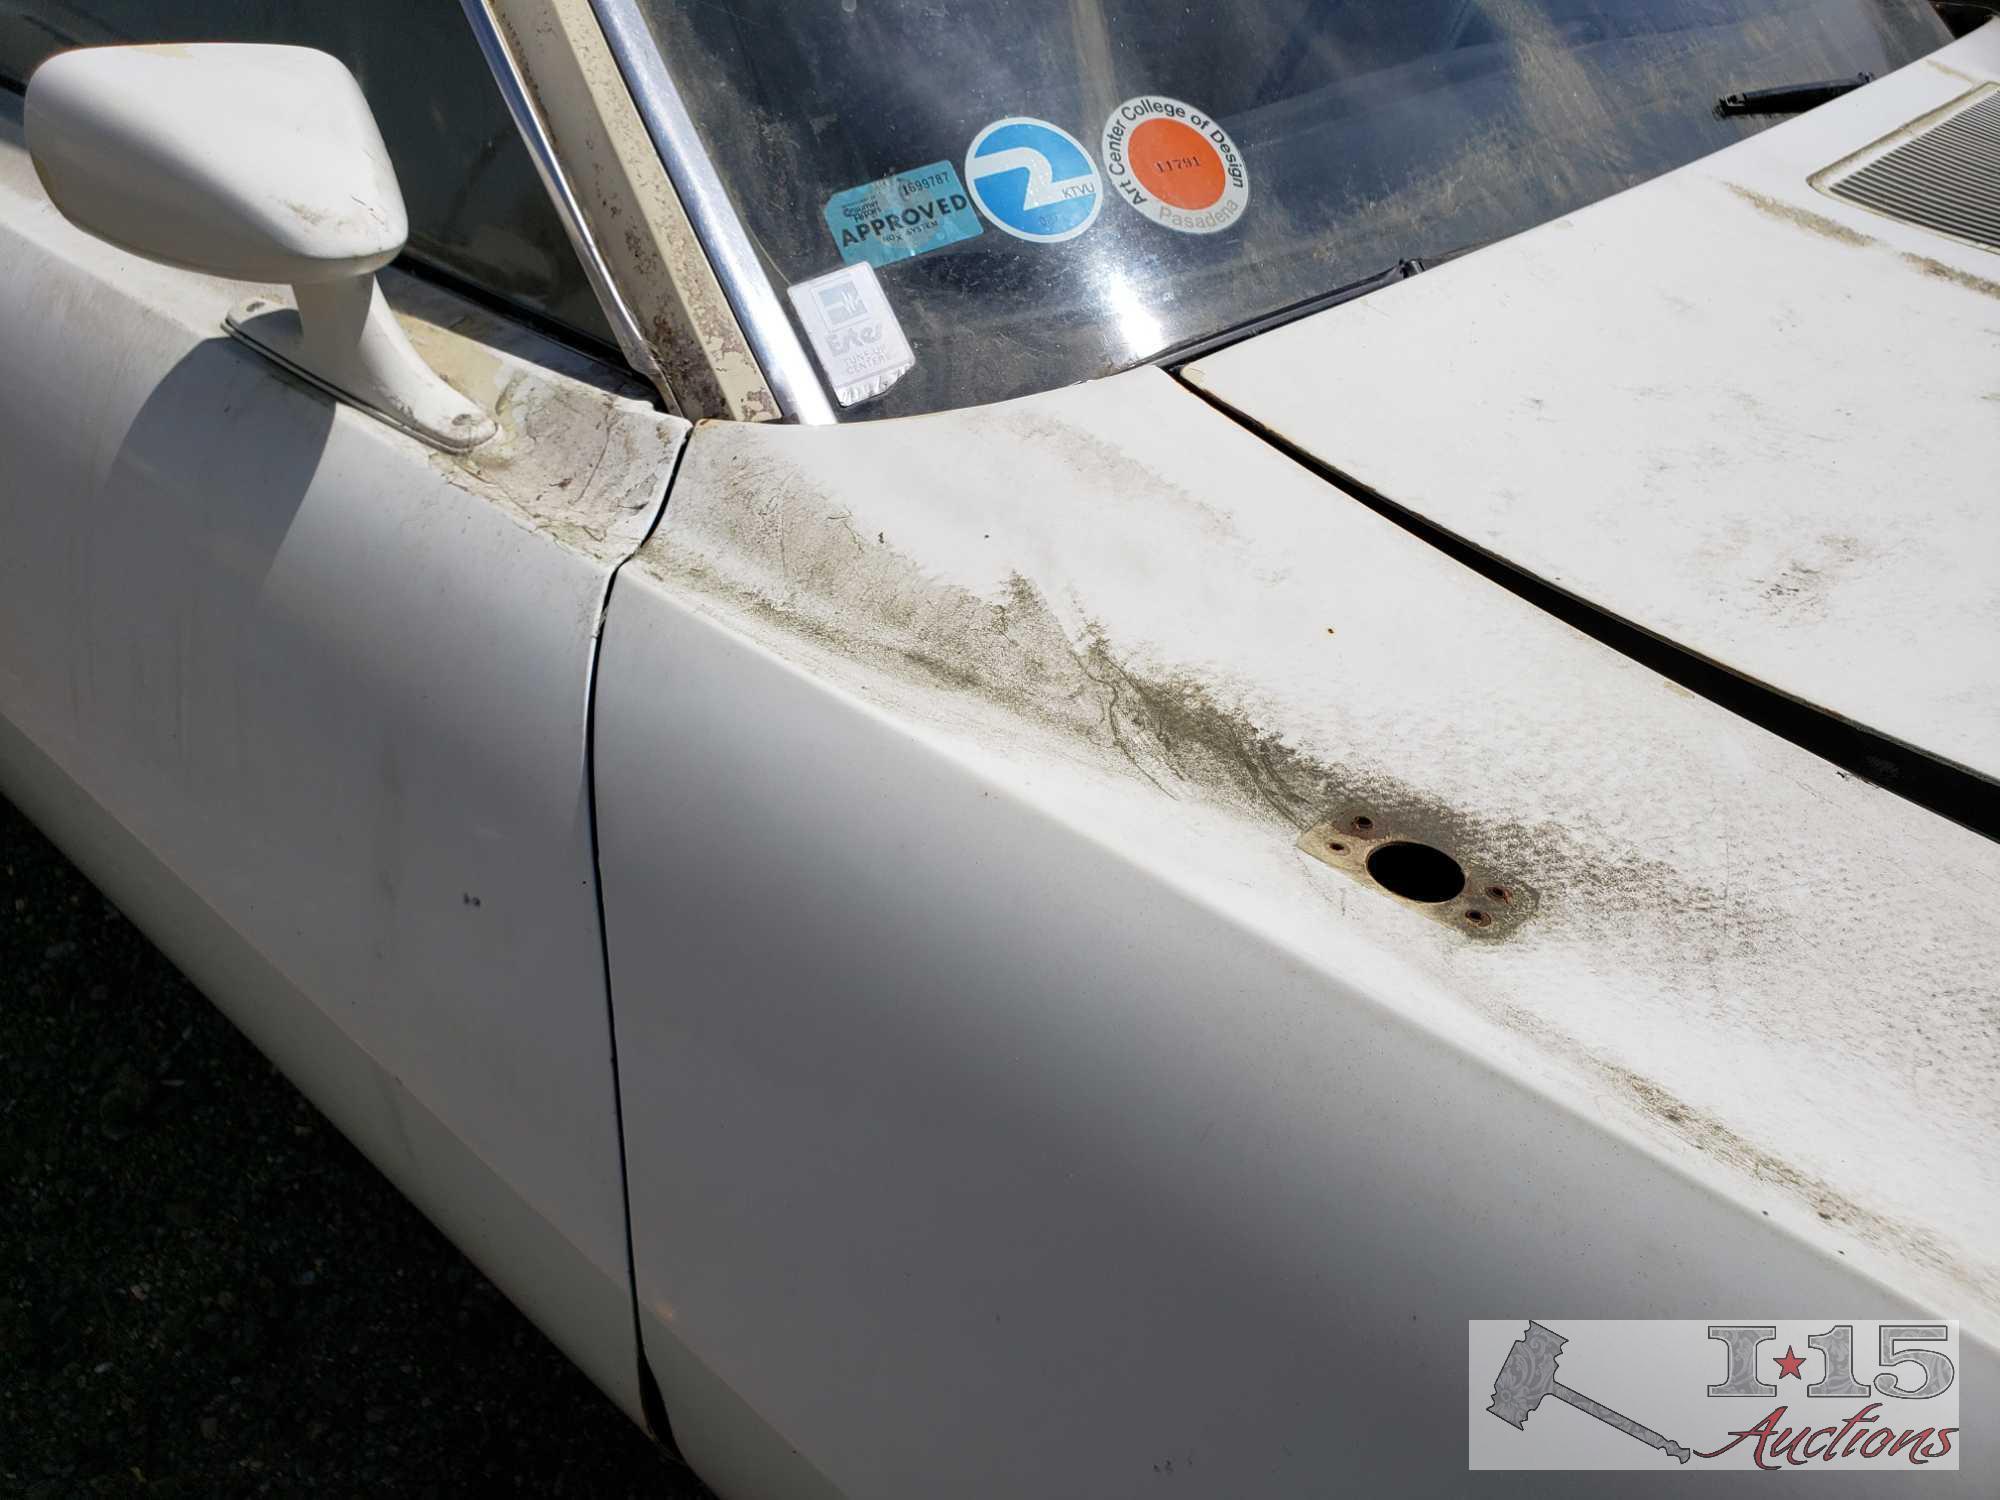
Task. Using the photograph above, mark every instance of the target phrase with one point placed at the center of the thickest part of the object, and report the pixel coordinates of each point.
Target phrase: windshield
(965, 200)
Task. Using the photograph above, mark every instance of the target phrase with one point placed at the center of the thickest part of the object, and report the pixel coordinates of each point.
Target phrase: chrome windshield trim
(506, 71)
(773, 342)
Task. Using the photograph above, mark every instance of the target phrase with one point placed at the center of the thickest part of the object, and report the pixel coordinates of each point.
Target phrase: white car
(985, 774)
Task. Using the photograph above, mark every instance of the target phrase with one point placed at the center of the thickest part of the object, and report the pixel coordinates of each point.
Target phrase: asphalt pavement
(206, 1292)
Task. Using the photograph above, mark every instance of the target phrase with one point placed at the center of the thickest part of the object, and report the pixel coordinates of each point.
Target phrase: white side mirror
(260, 164)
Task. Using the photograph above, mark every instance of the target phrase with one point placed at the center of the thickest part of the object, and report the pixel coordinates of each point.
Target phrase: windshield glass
(1040, 191)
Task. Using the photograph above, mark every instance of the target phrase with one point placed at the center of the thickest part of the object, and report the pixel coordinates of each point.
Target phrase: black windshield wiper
(1189, 350)
(1789, 98)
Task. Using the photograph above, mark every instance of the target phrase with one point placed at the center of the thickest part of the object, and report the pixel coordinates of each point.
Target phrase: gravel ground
(205, 1291)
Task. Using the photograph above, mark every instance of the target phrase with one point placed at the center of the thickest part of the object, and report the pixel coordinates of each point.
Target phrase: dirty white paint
(975, 995)
(634, 213)
(633, 209)
(255, 162)
(344, 337)
(1754, 419)
(308, 698)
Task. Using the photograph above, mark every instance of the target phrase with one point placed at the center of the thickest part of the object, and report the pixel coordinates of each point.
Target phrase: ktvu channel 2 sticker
(1175, 165)
(1034, 180)
(1818, 1395)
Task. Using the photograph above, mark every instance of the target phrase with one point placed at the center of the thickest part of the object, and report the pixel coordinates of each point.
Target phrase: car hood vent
(1941, 171)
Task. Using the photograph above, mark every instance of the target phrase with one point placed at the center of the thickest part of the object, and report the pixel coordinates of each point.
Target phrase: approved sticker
(1175, 165)
(902, 215)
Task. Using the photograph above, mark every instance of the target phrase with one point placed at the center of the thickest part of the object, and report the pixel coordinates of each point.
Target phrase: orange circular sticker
(1175, 165)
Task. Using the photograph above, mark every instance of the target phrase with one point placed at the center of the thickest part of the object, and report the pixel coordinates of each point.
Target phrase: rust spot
(1456, 905)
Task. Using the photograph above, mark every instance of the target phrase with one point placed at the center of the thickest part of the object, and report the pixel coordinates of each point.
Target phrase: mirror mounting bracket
(344, 338)
(256, 163)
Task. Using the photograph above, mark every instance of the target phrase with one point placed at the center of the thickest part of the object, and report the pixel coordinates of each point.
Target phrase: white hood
(1738, 412)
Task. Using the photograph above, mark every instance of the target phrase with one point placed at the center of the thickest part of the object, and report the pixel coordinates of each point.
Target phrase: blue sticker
(894, 218)
(1034, 180)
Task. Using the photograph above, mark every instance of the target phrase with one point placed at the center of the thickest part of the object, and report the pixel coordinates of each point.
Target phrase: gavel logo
(1529, 1374)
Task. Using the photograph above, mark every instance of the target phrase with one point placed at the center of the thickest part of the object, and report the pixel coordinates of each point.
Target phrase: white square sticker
(853, 331)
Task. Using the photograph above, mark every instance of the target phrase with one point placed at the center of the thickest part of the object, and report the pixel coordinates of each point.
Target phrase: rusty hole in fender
(1416, 872)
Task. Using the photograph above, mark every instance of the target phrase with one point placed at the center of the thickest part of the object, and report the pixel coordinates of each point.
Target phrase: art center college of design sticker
(1034, 180)
(1175, 165)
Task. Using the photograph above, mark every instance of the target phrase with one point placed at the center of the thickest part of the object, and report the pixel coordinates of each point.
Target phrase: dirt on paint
(798, 563)
(1718, 1141)
(1831, 229)
(1942, 272)
(763, 536)
(1804, 218)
